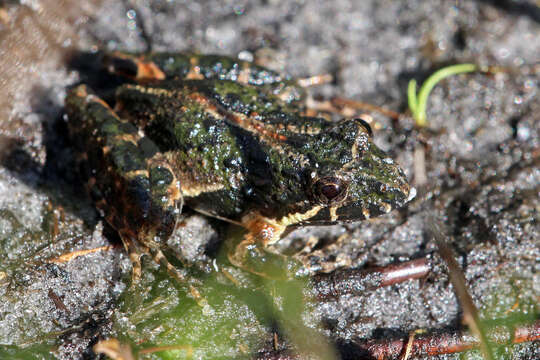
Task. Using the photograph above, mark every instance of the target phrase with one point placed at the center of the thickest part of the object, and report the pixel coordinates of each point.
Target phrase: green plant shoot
(417, 102)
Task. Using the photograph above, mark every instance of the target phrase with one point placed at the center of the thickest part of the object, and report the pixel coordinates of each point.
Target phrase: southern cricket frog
(228, 139)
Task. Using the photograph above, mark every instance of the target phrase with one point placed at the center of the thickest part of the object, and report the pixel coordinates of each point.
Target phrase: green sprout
(417, 102)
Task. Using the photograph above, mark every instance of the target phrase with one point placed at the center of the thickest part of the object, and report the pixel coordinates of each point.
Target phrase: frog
(228, 139)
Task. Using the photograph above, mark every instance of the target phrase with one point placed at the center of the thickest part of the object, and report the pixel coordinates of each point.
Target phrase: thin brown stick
(354, 281)
(64, 258)
(431, 343)
(359, 105)
(398, 273)
(57, 301)
(439, 343)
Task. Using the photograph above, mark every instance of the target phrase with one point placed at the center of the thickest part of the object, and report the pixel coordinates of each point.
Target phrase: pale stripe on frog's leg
(134, 254)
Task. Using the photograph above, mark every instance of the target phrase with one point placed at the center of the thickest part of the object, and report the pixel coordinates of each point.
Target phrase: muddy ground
(475, 168)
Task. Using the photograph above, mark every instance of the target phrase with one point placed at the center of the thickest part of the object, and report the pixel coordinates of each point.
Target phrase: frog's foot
(173, 272)
(252, 257)
(133, 67)
(251, 252)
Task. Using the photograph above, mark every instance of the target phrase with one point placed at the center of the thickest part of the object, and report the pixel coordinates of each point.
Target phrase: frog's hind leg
(136, 190)
(126, 235)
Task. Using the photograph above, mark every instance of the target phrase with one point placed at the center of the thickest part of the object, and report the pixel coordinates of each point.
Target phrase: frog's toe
(137, 268)
(133, 67)
(173, 272)
(133, 253)
(255, 259)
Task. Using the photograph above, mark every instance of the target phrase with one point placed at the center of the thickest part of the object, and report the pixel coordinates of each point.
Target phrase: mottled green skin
(271, 176)
(229, 149)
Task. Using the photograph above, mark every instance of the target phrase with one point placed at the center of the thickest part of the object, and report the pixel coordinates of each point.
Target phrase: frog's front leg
(251, 252)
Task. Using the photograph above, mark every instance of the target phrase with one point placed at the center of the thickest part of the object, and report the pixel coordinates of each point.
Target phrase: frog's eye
(366, 126)
(330, 190)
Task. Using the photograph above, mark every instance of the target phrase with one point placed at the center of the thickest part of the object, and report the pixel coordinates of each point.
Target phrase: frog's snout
(377, 186)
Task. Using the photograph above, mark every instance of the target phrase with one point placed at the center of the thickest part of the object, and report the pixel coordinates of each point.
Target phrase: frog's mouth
(368, 207)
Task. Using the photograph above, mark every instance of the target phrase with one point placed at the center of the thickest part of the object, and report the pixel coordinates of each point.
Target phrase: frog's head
(353, 179)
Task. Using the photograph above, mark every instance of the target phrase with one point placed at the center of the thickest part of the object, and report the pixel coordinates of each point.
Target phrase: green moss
(34, 352)
(160, 313)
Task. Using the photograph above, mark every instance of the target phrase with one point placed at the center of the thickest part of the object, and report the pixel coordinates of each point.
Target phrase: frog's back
(228, 144)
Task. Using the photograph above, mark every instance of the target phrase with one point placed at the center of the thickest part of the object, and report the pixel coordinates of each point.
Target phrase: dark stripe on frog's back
(233, 101)
(169, 110)
(252, 101)
(228, 97)
(264, 189)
